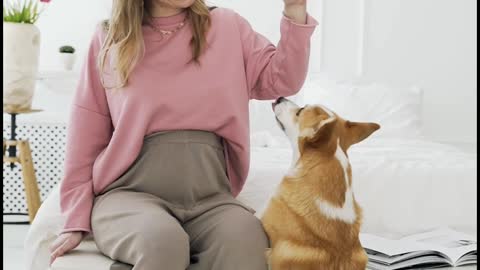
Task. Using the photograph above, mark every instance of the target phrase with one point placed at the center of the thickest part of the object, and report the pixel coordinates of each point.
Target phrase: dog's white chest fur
(346, 213)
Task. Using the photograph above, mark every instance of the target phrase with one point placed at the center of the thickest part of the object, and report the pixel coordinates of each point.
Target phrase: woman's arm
(89, 132)
(278, 71)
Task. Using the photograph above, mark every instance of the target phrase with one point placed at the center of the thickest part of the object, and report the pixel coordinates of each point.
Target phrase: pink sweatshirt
(165, 92)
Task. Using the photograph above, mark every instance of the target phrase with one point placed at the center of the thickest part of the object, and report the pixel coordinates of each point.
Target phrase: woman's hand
(295, 2)
(64, 243)
(296, 10)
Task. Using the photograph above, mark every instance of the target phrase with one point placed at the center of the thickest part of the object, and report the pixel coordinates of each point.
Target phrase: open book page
(434, 257)
(423, 262)
(447, 241)
(390, 247)
(435, 244)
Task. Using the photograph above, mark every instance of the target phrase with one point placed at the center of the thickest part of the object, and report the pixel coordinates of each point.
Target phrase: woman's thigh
(227, 237)
(134, 228)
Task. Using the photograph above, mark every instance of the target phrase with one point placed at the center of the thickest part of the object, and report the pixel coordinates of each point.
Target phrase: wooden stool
(24, 157)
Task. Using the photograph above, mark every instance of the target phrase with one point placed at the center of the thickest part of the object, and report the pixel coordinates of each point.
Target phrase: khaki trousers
(173, 210)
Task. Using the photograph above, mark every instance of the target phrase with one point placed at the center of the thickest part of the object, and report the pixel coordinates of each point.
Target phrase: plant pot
(21, 49)
(68, 60)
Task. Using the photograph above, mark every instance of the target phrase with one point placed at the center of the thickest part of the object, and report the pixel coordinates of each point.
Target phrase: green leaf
(35, 12)
(23, 14)
(21, 11)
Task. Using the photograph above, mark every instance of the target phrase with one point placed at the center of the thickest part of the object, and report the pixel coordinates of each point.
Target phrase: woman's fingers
(62, 249)
(59, 241)
(64, 243)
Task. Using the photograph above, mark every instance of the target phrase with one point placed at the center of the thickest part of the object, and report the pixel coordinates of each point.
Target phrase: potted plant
(21, 48)
(67, 54)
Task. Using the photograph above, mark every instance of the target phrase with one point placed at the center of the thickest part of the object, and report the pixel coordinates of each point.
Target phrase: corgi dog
(313, 220)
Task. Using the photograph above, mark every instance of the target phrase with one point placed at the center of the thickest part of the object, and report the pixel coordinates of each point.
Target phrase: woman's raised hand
(295, 2)
(296, 10)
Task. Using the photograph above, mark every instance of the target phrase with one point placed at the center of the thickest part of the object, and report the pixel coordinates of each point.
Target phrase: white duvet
(404, 185)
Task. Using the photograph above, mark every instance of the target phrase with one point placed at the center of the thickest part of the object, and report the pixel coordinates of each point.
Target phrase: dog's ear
(357, 131)
(322, 132)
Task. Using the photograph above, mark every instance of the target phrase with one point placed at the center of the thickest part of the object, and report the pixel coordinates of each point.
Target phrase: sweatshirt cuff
(84, 230)
(300, 31)
(75, 223)
(310, 23)
(76, 205)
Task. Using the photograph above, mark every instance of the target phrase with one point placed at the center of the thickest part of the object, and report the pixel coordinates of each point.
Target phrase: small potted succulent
(67, 54)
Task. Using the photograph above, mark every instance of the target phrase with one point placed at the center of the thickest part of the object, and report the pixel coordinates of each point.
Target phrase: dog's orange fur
(302, 238)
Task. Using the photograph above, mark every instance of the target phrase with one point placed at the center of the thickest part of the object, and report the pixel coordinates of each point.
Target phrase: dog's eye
(300, 111)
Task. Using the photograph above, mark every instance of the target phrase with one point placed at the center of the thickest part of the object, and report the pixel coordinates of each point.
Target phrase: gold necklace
(167, 32)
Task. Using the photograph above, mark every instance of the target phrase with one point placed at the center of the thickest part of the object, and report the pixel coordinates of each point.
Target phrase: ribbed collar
(169, 20)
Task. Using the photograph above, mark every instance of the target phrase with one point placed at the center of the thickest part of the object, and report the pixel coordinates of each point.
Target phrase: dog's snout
(280, 100)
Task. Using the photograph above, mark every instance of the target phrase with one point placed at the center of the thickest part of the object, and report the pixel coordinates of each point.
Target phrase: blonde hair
(124, 37)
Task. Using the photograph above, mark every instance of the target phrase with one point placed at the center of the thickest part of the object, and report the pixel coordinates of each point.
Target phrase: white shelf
(58, 74)
(53, 94)
(57, 82)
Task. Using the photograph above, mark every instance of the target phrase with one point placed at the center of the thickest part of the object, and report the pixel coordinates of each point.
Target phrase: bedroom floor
(13, 248)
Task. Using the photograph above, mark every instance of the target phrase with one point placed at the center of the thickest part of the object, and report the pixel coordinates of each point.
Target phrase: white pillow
(397, 110)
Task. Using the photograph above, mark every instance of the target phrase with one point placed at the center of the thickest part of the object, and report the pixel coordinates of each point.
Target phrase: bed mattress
(403, 185)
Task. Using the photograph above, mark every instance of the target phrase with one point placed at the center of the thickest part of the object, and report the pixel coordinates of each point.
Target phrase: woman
(158, 140)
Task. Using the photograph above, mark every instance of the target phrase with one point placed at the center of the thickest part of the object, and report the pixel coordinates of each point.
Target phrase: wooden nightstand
(24, 158)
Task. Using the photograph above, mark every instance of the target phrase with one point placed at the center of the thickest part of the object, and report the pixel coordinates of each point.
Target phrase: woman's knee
(242, 233)
(162, 238)
(239, 241)
(140, 233)
(168, 247)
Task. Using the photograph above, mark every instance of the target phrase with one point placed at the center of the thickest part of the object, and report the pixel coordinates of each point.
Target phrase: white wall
(428, 43)
(433, 44)
(68, 22)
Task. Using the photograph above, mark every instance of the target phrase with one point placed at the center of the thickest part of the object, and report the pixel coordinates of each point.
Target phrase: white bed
(404, 185)
(404, 182)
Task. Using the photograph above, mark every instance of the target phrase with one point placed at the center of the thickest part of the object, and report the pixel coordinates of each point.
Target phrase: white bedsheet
(404, 186)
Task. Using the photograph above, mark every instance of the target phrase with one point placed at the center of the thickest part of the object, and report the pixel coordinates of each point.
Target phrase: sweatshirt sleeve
(88, 133)
(276, 71)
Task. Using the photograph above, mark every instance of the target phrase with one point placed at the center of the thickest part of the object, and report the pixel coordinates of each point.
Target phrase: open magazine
(441, 247)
